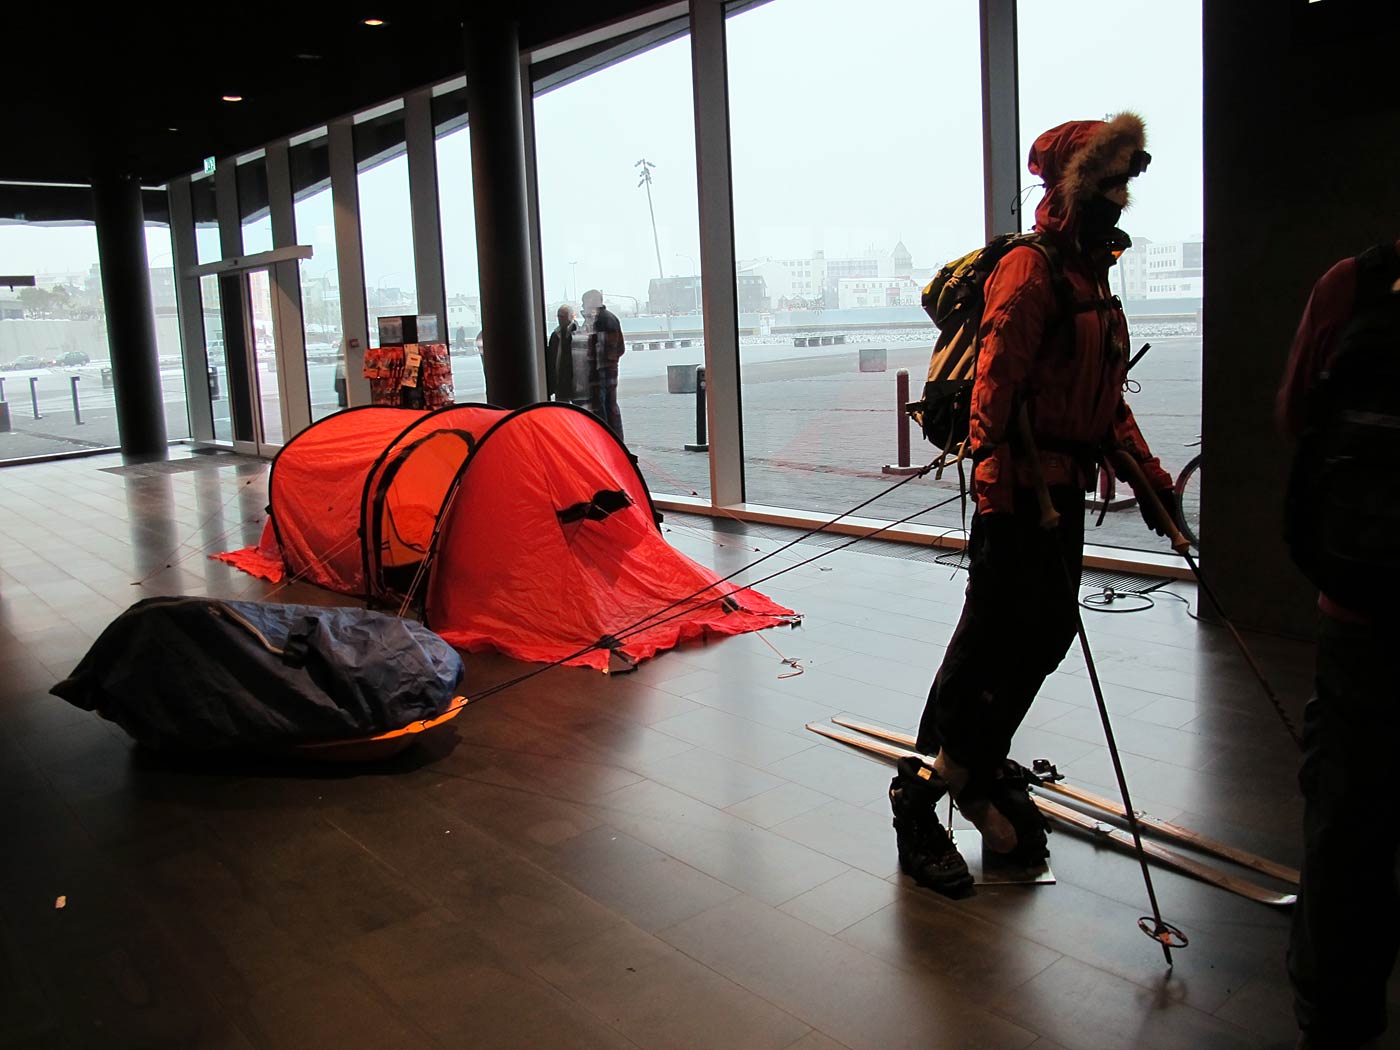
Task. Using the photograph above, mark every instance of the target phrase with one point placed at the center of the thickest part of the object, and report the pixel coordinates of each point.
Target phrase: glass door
(269, 431)
(216, 357)
(240, 335)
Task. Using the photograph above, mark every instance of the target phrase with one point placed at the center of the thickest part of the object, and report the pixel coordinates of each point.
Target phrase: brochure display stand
(409, 368)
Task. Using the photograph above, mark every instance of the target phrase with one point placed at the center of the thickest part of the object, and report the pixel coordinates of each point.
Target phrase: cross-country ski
(1084, 822)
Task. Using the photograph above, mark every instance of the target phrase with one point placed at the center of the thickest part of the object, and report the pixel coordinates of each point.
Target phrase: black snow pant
(1346, 925)
(1018, 620)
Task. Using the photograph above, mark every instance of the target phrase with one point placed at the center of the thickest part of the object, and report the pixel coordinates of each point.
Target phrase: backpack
(954, 300)
(1342, 511)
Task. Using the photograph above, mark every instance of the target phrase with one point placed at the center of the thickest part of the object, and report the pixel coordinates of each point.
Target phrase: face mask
(1097, 216)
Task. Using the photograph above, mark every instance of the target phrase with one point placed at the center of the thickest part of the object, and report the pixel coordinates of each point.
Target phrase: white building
(463, 312)
(1159, 269)
(796, 282)
(858, 292)
(787, 280)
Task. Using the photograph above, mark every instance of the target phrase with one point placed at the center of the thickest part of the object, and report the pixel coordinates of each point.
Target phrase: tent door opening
(406, 506)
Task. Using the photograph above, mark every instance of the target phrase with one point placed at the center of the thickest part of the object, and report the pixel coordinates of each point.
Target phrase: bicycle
(1188, 496)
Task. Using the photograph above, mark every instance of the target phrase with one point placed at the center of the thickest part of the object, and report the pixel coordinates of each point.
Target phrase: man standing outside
(1346, 925)
(1053, 350)
(605, 349)
(560, 381)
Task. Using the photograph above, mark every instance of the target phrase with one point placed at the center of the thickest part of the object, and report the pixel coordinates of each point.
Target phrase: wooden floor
(664, 859)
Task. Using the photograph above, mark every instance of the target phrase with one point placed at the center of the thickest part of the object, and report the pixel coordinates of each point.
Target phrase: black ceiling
(138, 90)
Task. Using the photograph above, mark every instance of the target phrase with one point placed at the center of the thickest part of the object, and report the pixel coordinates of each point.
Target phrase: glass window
(459, 263)
(320, 279)
(869, 190)
(619, 215)
(386, 225)
(1165, 219)
(50, 335)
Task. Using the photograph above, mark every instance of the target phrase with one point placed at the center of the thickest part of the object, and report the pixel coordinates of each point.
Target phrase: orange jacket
(1068, 370)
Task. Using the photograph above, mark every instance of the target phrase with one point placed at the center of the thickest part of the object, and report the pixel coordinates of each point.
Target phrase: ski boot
(926, 852)
(1008, 790)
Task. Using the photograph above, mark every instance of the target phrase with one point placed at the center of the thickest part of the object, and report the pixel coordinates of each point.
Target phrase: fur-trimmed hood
(1073, 158)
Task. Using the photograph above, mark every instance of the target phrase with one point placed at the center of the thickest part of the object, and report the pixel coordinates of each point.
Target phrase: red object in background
(395, 383)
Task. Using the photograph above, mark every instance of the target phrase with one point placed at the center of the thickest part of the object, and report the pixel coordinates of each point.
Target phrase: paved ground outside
(817, 430)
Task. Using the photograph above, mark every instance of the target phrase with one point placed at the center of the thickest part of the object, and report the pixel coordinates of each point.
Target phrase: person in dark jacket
(559, 358)
(605, 349)
(1065, 371)
(1346, 925)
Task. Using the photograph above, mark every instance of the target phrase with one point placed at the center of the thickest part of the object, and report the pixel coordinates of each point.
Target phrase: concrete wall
(1302, 140)
(52, 338)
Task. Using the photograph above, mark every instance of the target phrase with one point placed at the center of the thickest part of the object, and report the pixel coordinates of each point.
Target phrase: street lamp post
(645, 180)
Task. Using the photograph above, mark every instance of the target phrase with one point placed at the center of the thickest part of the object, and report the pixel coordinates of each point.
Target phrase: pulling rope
(204, 545)
(645, 624)
(1183, 547)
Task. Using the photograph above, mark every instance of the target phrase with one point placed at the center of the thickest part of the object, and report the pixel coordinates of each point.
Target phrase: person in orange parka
(1057, 345)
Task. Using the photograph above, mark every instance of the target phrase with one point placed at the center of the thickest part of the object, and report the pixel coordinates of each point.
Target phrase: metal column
(544, 318)
(423, 206)
(289, 335)
(1001, 126)
(717, 263)
(226, 207)
(131, 326)
(350, 262)
(189, 306)
(496, 120)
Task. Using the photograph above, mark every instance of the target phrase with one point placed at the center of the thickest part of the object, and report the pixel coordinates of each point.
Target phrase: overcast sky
(853, 125)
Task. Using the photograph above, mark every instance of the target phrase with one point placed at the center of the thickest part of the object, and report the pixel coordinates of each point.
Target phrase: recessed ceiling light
(373, 22)
(233, 98)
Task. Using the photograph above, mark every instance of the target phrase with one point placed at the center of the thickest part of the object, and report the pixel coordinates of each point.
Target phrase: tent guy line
(644, 624)
(204, 546)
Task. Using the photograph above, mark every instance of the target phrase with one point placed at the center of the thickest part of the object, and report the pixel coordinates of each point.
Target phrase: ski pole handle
(1049, 516)
(1125, 465)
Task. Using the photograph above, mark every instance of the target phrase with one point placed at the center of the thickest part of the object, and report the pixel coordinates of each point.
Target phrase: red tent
(531, 532)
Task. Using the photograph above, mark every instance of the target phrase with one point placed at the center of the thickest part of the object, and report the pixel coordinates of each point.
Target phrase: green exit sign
(209, 165)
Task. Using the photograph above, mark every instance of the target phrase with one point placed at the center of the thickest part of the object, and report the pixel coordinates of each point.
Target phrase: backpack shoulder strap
(1059, 282)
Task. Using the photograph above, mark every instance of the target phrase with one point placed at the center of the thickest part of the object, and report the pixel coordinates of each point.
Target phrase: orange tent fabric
(530, 532)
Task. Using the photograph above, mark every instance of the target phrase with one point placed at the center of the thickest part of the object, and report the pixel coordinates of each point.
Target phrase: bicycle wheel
(1188, 497)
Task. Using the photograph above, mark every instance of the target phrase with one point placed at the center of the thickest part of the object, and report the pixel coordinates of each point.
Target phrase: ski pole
(1161, 931)
(1121, 461)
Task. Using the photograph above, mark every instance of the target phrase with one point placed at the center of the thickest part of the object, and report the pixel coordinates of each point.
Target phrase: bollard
(702, 443)
(2, 388)
(901, 398)
(77, 414)
(34, 395)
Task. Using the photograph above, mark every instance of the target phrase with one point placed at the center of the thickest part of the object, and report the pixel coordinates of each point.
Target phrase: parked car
(28, 361)
(74, 357)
